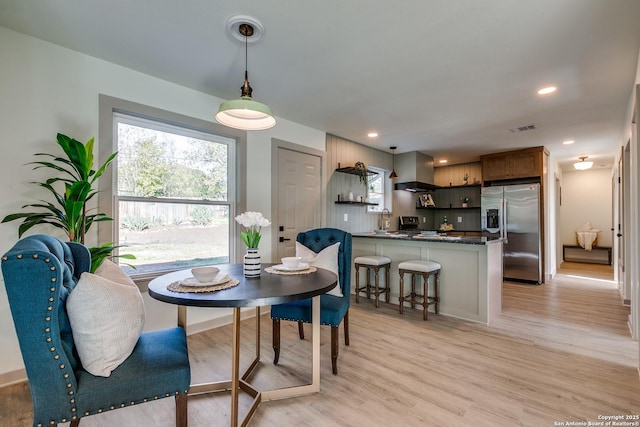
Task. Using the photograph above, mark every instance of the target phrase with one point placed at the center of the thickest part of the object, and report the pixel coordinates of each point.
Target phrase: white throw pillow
(106, 312)
(326, 258)
(111, 271)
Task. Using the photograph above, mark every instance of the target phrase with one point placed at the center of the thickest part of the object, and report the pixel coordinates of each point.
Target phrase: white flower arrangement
(253, 222)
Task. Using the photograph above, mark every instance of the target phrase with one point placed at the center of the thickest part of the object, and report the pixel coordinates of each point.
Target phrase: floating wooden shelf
(353, 171)
(441, 208)
(349, 202)
(444, 187)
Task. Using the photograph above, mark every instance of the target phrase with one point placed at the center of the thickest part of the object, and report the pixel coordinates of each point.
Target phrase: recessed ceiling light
(443, 161)
(547, 90)
(372, 134)
(568, 142)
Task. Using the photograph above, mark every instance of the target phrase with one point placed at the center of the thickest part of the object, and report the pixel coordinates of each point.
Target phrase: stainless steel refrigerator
(513, 213)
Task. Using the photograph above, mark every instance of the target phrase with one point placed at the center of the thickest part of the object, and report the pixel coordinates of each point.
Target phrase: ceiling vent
(524, 128)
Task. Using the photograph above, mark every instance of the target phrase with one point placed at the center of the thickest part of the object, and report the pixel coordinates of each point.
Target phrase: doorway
(297, 195)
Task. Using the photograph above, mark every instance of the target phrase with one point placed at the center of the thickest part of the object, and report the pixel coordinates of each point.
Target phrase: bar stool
(424, 269)
(374, 263)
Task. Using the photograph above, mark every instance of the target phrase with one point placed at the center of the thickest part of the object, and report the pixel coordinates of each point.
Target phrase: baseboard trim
(12, 377)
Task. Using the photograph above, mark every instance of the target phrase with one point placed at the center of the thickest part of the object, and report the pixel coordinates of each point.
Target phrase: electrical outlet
(346, 217)
(459, 219)
(424, 219)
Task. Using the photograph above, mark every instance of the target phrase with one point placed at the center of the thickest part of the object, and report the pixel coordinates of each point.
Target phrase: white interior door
(299, 197)
(619, 228)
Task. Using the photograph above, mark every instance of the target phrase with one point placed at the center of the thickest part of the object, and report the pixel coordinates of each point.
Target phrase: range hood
(415, 172)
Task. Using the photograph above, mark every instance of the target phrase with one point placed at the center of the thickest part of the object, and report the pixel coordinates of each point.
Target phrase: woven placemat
(290, 273)
(179, 287)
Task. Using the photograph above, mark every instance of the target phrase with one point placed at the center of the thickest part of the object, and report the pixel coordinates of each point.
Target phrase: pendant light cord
(246, 30)
(246, 55)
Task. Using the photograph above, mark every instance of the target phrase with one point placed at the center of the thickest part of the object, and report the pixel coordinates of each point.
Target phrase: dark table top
(268, 289)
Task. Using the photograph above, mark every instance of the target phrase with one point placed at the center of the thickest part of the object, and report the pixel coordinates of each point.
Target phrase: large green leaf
(104, 166)
(68, 211)
(77, 153)
(99, 253)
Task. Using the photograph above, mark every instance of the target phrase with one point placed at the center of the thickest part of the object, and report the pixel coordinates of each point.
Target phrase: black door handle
(282, 239)
(619, 234)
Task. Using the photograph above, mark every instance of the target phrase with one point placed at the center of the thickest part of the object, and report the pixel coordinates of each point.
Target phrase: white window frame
(382, 174)
(111, 108)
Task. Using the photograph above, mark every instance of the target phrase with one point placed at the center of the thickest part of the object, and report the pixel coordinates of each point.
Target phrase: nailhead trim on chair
(322, 323)
(133, 403)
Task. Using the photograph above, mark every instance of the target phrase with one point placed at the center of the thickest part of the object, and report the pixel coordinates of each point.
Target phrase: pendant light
(582, 165)
(245, 113)
(393, 174)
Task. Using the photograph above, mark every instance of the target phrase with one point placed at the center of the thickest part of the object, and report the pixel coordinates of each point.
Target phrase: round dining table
(265, 290)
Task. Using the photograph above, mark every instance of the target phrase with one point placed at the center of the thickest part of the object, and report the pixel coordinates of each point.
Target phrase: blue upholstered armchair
(39, 273)
(333, 309)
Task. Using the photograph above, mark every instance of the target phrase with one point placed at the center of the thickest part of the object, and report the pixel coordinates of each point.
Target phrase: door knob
(619, 234)
(282, 239)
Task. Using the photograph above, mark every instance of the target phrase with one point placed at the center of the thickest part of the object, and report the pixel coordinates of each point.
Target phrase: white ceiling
(446, 77)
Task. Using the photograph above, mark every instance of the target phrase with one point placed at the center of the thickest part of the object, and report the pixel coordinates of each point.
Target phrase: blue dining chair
(39, 274)
(333, 309)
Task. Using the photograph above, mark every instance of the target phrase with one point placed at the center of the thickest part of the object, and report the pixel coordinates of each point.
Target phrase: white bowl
(291, 261)
(205, 274)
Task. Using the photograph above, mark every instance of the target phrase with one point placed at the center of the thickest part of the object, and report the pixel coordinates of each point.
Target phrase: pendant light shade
(393, 174)
(582, 165)
(245, 113)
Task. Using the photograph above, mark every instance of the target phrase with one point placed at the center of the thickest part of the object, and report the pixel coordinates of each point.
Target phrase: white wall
(47, 89)
(586, 197)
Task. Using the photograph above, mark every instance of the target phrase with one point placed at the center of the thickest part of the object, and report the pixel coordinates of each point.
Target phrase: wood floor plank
(560, 351)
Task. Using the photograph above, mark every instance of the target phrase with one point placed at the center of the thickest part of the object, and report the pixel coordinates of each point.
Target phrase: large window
(174, 195)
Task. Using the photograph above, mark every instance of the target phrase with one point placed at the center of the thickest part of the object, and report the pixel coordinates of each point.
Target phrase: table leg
(236, 383)
(235, 366)
(314, 387)
(315, 323)
(182, 317)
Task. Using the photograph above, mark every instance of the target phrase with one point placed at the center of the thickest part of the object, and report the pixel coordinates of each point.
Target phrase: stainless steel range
(408, 223)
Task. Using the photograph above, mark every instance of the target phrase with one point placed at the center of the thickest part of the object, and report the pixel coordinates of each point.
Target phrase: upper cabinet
(453, 175)
(526, 163)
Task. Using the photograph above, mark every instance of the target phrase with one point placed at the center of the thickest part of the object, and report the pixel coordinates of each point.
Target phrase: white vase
(252, 263)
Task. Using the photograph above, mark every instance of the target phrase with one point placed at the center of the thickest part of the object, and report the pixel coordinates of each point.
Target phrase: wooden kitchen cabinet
(526, 163)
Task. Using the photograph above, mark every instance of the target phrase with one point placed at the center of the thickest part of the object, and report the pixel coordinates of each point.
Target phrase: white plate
(282, 267)
(192, 281)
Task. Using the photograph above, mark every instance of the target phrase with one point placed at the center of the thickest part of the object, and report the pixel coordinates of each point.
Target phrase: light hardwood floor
(559, 352)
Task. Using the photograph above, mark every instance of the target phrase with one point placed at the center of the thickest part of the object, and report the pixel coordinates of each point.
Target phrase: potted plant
(465, 202)
(465, 180)
(69, 210)
(362, 173)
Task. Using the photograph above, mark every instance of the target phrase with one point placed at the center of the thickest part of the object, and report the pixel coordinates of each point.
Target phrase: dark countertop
(399, 235)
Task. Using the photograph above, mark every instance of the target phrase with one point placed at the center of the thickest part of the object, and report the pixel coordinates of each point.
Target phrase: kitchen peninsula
(471, 275)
